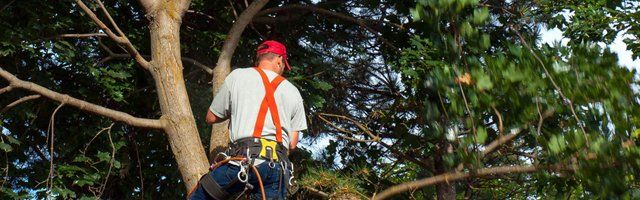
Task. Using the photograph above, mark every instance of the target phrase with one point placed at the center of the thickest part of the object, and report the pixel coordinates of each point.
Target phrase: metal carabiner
(291, 181)
(272, 164)
(242, 173)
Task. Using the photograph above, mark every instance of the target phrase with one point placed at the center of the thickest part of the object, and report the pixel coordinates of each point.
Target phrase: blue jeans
(274, 188)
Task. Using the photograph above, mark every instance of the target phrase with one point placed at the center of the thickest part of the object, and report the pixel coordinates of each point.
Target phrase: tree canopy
(405, 99)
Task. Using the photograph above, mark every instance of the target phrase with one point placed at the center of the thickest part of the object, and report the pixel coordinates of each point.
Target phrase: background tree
(407, 94)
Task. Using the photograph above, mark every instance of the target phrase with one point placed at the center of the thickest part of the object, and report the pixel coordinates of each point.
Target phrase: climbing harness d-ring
(243, 173)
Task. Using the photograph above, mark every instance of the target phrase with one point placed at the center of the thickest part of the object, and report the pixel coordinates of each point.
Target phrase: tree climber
(266, 113)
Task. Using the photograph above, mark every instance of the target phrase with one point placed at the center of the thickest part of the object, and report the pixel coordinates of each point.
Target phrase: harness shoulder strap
(268, 104)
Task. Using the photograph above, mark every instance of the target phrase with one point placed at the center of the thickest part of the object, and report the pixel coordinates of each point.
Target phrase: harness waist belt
(259, 148)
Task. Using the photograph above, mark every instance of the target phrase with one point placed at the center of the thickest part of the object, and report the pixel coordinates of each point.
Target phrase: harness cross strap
(268, 104)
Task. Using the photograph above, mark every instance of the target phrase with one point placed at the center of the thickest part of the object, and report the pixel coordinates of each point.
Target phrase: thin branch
(456, 176)
(51, 134)
(500, 126)
(106, 13)
(316, 192)
(361, 126)
(80, 35)
(7, 5)
(121, 39)
(19, 101)
(112, 55)
(491, 147)
(94, 137)
(113, 154)
(82, 105)
(326, 12)
(375, 138)
(555, 85)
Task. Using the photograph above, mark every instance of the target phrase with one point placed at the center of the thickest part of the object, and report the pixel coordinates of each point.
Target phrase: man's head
(273, 56)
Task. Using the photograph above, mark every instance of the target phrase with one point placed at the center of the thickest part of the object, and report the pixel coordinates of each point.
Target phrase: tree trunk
(446, 190)
(177, 117)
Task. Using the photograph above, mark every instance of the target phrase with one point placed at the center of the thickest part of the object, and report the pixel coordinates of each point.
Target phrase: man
(266, 114)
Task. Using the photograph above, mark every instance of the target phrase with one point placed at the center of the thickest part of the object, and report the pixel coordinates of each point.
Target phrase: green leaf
(12, 140)
(557, 144)
(103, 156)
(322, 85)
(481, 135)
(480, 15)
(5, 147)
(484, 82)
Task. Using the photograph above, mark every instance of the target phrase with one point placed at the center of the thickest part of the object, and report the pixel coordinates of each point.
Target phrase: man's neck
(269, 67)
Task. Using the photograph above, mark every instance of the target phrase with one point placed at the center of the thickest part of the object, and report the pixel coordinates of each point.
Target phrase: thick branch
(231, 43)
(456, 176)
(82, 105)
(121, 39)
(219, 131)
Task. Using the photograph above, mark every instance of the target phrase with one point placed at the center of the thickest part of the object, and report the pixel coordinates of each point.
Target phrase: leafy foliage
(428, 86)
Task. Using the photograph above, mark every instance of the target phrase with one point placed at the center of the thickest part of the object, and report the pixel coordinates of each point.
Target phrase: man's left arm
(298, 123)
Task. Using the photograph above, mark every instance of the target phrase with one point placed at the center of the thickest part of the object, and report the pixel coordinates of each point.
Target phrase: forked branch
(82, 105)
(120, 38)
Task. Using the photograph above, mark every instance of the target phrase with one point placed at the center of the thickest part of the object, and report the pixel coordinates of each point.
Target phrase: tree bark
(446, 190)
(220, 132)
(166, 69)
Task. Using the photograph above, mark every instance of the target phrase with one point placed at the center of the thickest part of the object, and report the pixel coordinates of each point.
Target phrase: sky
(550, 36)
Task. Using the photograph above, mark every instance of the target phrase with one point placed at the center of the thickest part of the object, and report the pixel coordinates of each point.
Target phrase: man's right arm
(220, 108)
(212, 118)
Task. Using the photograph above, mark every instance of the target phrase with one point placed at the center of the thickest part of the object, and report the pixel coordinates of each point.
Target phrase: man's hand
(212, 118)
(294, 140)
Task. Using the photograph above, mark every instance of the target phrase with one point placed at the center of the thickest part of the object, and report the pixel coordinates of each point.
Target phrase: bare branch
(375, 138)
(326, 12)
(121, 39)
(82, 105)
(505, 138)
(7, 5)
(6, 89)
(106, 13)
(19, 101)
(198, 64)
(184, 59)
(316, 192)
(81, 35)
(500, 126)
(456, 176)
(555, 85)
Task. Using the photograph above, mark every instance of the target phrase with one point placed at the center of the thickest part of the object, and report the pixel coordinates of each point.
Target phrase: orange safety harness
(268, 104)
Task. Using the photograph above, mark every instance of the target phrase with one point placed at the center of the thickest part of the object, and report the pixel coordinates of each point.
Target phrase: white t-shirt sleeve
(221, 104)
(299, 117)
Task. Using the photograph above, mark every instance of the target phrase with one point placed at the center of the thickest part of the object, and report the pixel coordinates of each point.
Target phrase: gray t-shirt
(240, 97)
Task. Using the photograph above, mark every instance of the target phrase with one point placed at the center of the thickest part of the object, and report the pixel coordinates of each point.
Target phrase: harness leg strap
(212, 188)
